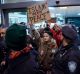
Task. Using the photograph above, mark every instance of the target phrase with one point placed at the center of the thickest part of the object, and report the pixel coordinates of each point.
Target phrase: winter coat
(46, 53)
(2, 50)
(67, 60)
(35, 37)
(24, 64)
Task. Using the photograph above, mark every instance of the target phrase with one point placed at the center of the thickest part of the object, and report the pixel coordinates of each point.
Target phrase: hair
(46, 29)
(49, 33)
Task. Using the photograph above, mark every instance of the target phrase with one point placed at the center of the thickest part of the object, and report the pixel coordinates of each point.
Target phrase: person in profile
(67, 58)
(3, 63)
(20, 61)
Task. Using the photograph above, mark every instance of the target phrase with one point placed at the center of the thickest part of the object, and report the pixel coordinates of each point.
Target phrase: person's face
(56, 28)
(2, 33)
(46, 37)
(61, 36)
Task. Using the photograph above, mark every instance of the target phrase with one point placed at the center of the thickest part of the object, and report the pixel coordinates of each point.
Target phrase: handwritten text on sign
(37, 13)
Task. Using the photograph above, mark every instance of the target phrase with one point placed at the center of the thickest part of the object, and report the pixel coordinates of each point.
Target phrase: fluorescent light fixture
(51, 8)
(78, 14)
(58, 14)
(38, 0)
(63, 7)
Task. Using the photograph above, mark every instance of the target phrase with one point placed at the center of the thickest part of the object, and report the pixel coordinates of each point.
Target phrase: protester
(47, 49)
(35, 36)
(20, 60)
(56, 30)
(2, 50)
(67, 59)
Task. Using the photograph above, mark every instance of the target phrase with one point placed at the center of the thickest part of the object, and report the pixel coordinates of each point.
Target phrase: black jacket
(2, 49)
(67, 60)
(24, 64)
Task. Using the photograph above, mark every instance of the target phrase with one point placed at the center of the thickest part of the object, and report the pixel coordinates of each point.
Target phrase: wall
(73, 20)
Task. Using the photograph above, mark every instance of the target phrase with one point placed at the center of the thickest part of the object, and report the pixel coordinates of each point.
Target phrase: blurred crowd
(48, 50)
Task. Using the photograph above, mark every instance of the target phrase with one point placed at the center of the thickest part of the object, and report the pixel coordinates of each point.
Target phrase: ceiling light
(63, 7)
(78, 14)
(51, 8)
(38, 0)
(58, 14)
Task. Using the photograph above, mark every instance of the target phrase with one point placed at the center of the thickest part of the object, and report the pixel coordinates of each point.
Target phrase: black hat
(15, 37)
(69, 33)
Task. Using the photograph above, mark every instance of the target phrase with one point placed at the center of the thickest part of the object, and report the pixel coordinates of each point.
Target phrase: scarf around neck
(15, 54)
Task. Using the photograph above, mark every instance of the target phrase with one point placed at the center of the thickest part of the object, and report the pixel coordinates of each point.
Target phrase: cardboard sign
(37, 13)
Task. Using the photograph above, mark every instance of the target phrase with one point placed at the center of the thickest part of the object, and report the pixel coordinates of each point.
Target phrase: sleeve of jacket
(55, 67)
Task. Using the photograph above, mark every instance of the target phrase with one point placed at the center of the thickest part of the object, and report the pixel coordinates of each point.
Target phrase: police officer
(67, 59)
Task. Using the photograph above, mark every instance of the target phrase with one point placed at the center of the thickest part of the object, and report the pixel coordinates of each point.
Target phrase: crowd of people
(45, 51)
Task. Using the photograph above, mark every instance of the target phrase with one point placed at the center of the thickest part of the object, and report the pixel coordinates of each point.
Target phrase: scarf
(14, 54)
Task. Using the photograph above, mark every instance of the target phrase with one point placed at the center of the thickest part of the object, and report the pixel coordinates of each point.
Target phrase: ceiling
(50, 2)
(63, 2)
(70, 11)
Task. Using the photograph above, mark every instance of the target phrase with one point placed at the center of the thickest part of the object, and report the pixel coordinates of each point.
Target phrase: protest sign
(38, 12)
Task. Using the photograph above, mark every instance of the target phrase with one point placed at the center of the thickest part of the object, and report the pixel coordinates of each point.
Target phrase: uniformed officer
(67, 59)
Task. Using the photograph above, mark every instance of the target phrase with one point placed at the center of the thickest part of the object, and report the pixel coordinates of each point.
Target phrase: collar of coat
(15, 54)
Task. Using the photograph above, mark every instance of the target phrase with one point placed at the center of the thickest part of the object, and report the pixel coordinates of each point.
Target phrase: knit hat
(69, 33)
(15, 37)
